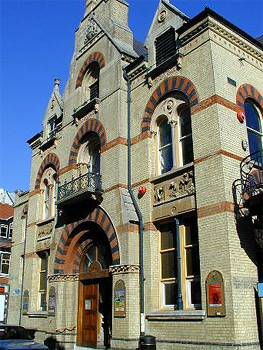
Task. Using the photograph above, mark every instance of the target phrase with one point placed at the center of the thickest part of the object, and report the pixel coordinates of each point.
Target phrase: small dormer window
(52, 128)
(165, 46)
(90, 86)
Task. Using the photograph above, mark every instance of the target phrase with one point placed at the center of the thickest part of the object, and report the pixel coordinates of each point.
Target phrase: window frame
(259, 116)
(48, 194)
(186, 280)
(1, 262)
(171, 109)
(90, 80)
(10, 234)
(6, 227)
(44, 256)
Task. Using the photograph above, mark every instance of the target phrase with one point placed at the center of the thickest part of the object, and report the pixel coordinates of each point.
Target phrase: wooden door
(88, 315)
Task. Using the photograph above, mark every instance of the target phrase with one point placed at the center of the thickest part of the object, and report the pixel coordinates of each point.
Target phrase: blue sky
(36, 45)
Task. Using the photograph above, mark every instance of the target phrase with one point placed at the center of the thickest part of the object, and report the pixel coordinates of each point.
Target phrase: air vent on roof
(165, 46)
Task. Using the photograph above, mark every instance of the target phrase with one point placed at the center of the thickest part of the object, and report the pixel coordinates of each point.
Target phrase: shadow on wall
(53, 344)
(246, 236)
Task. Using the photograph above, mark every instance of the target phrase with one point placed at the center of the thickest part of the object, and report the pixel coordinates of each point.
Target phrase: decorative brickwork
(121, 269)
(248, 91)
(90, 125)
(50, 160)
(171, 84)
(94, 57)
(72, 242)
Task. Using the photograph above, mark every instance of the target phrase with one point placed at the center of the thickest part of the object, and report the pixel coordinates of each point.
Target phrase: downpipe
(135, 204)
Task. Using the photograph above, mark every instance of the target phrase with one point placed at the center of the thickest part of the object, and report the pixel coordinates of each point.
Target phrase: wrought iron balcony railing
(79, 186)
(252, 176)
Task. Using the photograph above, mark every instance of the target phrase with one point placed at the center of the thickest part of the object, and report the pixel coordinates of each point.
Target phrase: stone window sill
(177, 315)
(46, 221)
(37, 314)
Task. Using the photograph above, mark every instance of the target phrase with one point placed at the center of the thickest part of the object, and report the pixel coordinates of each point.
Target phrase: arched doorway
(95, 291)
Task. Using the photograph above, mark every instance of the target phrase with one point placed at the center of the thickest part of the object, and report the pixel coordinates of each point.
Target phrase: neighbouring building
(144, 212)
(6, 231)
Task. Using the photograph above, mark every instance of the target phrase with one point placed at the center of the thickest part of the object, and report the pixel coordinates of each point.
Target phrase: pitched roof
(139, 48)
(260, 39)
(6, 211)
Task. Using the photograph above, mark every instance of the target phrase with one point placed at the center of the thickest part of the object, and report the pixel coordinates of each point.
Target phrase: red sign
(2, 289)
(215, 295)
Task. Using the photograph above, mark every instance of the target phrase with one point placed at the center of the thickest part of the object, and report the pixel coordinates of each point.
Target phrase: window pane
(191, 234)
(187, 149)
(3, 231)
(43, 264)
(255, 142)
(185, 122)
(195, 261)
(42, 281)
(252, 117)
(168, 264)
(165, 133)
(196, 292)
(6, 256)
(167, 238)
(42, 300)
(90, 257)
(170, 291)
(166, 159)
(5, 268)
(189, 262)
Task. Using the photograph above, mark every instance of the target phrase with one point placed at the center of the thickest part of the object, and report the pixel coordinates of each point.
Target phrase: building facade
(138, 219)
(6, 231)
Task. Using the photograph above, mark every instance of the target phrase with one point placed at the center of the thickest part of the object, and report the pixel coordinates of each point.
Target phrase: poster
(120, 299)
(215, 295)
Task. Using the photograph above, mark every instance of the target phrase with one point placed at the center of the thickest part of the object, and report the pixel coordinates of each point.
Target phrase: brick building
(6, 230)
(179, 117)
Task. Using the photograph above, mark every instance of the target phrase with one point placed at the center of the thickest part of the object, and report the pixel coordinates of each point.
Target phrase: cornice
(225, 33)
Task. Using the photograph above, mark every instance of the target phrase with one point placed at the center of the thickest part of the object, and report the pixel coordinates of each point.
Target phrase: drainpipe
(136, 206)
(23, 272)
(178, 257)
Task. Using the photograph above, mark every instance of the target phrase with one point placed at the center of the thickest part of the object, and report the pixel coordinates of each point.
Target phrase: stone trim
(248, 91)
(63, 278)
(210, 101)
(90, 125)
(94, 57)
(171, 84)
(219, 152)
(217, 208)
(113, 143)
(121, 269)
(50, 160)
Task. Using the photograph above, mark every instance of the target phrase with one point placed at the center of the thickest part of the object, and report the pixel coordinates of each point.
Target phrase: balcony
(252, 182)
(79, 188)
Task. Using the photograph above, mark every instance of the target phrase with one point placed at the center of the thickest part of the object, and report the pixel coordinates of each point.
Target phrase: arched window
(48, 190)
(90, 84)
(254, 126)
(89, 154)
(172, 119)
(96, 252)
